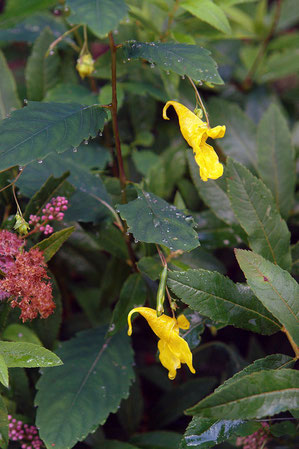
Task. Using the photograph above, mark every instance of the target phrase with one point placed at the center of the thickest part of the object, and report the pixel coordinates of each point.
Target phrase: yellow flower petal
(183, 322)
(168, 359)
(209, 165)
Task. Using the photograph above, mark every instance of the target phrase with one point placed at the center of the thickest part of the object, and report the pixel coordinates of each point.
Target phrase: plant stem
(198, 98)
(164, 263)
(113, 109)
(171, 15)
(292, 343)
(247, 83)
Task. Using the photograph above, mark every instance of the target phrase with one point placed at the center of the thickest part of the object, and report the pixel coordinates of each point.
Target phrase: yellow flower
(85, 65)
(196, 132)
(174, 350)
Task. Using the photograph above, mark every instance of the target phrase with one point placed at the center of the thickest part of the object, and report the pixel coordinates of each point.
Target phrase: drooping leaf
(3, 424)
(153, 220)
(101, 16)
(256, 395)
(256, 211)
(34, 132)
(276, 158)
(3, 373)
(20, 332)
(27, 355)
(15, 12)
(52, 244)
(9, 99)
(217, 297)
(209, 12)
(183, 59)
(274, 287)
(239, 141)
(133, 294)
(42, 72)
(101, 378)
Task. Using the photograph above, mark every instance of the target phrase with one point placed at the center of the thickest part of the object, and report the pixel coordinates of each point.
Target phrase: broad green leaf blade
(42, 73)
(256, 211)
(264, 393)
(101, 16)
(239, 141)
(190, 60)
(3, 373)
(44, 195)
(14, 10)
(39, 129)
(101, 378)
(70, 93)
(209, 12)
(52, 244)
(213, 193)
(153, 220)
(9, 99)
(133, 294)
(276, 158)
(21, 333)
(217, 297)
(3, 425)
(279, 65)
(27, 355)
(275, 288)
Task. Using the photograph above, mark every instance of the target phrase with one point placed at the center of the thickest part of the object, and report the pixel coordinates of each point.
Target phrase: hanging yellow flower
(173, 349)
(196, 132)
(85, 65)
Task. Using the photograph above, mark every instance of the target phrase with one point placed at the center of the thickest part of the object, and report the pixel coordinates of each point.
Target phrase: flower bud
(85, 65)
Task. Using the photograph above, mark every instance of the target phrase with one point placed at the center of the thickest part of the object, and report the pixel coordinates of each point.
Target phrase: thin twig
(292, 343)
(198, 98)
(164, 263)
(60, 38)
(13, 182)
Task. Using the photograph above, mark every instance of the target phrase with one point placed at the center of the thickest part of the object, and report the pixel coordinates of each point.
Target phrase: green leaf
(44, 195)
(276, 158)
(101, 16)
(3, 373)
(213, 193)
(3, 425)
(190, 60)
(274, 287)
(15, 12)
(133, 294)
(256, 211)
(42, 72)
(279, 65)
(52, 244)
(150, 266)
(157, 440)
(27, 355)
(9, 99)
(217, 297)
(295, 258)
(70, 93)
(21, 333)
(239, 141)
(153, 220)
(39, 129)
(209, 12)
(264, 393)
(101, 378)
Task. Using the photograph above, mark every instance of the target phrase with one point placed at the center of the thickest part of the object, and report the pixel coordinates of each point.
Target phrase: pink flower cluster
(54, 210)
(25, 278)
(26, 435)
(256, 440)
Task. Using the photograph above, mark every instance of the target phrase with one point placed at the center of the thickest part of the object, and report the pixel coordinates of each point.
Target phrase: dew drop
(86, 142)
(40, 161)
(25, 101)
(51, 52)
(152, 65)
(75, 149)
(100, 133)
(183, 77)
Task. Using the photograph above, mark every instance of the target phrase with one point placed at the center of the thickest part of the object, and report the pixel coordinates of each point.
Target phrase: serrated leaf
(52, 244)
(3, 425)
(44, 194)
(264, 393)
(34, 132)
(217, 297)
(276, 164)
(9, 99)
(253, 204)
(183, 59)
(275, 288)
(27, 355)
(133, 294)
(209, 12)
(101, 16)
(42, 72)
(213, 193)
(239, 141)
(3, 373)
(153, 220)
(15, 12)
(101, 378)
(20, 332)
